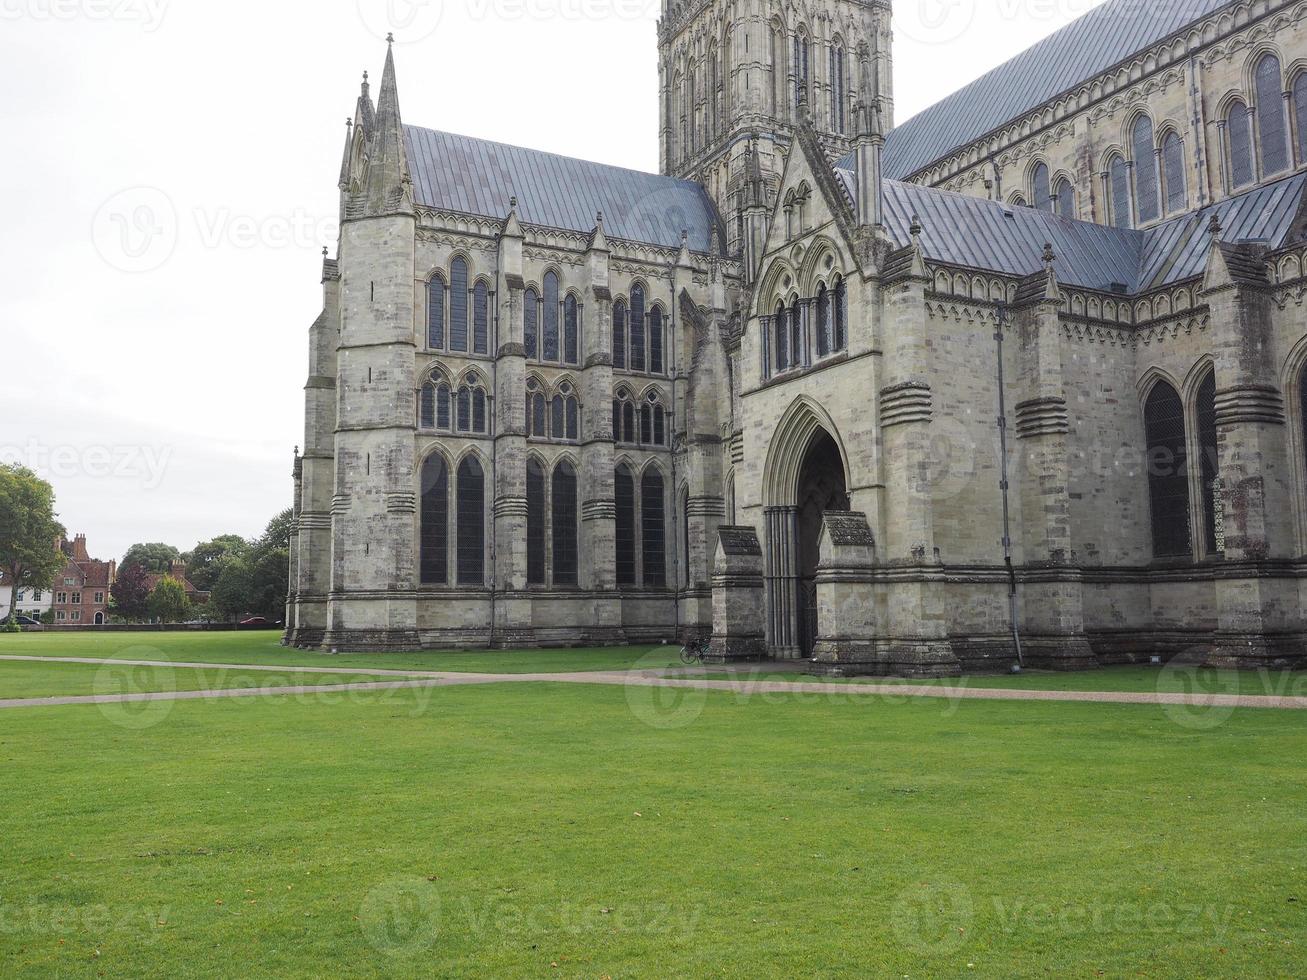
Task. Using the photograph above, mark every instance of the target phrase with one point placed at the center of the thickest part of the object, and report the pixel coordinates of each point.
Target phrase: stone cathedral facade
(1027, 372)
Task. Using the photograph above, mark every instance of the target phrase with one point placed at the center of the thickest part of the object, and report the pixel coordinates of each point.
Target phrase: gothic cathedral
(1023, 376)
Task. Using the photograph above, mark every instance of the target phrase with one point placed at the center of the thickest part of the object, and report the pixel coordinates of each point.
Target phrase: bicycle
(695, 652)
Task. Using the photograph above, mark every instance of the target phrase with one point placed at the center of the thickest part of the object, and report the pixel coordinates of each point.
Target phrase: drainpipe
(1005, 486)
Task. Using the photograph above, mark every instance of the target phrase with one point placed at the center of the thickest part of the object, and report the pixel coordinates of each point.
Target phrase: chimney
(178, 570)
(79, 552)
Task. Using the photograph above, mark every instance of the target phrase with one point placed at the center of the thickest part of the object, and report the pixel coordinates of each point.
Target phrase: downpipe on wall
(1005, 487)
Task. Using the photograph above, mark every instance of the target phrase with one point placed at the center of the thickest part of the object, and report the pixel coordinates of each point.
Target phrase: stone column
(737, 597)
(917, 627)
(846, 603)
(1258, 604)
(1053, 606)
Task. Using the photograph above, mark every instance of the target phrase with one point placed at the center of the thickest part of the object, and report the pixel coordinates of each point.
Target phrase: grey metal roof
(979, 234)
(472, 176)
(1090, 45)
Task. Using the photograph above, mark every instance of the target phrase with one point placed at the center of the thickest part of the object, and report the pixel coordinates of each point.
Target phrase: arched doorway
(99, 619)
(821, 488)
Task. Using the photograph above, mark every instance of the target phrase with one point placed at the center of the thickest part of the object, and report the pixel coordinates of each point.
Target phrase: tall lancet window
(1270, 116)
(1168, 472)
(481, 318)
(458, 286)
(535, 523)
(471, 523)
(551, 317)
(566, 550)
(434, 539)
(636, 352)
(530, 324)
(1146, 196)
(436, 313)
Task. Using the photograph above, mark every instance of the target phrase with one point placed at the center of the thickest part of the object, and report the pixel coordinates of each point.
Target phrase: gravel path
(429, 679)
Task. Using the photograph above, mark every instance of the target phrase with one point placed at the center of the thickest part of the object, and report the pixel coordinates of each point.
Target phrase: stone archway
(806, 475)
(822, 488)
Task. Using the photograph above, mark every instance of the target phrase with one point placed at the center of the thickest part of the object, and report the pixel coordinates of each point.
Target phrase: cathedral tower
(736, 76)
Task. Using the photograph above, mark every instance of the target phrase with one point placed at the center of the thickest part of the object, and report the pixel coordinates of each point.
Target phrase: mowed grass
(576, 831)
(1172, 679)
(264, 648)
(23, 680)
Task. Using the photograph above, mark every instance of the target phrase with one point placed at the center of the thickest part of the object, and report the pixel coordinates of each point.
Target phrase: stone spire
(389, 187)
(349, 155)
(598, 240)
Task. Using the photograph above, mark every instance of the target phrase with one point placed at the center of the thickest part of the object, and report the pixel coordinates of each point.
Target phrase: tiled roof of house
(1101, 39)
(473, 176)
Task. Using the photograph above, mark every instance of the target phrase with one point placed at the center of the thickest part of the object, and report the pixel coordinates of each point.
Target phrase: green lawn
(599, 831)
(1174, 679)
(265, 648)
(49, 680)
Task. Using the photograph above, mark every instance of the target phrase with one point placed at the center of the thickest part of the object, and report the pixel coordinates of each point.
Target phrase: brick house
(81, 589)
(178, 572)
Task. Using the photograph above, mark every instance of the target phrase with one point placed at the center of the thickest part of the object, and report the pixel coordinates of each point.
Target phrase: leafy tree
(268, 582)
(232, 593)
(277, 533)
(168, 602)
(155, 558)
(131, 593)
(29, 532)
(204, 564)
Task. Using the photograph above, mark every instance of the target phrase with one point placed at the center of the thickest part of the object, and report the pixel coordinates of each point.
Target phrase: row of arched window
(1261, 136)
(645, 425)
(551, 328)
(458, 316)
(641, 528)
(1173, 440)
(442, 409)
(557, 418)
(552, 552)
(639, 338)
(457, 518)
(805, 331)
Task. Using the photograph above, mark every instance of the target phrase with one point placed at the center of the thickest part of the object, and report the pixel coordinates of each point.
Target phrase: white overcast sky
(156, 381)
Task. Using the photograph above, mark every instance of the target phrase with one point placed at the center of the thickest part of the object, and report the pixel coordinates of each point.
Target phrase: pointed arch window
(841, 315)
(551, 317)
(1064, 199)
(1239, 133)
(656, 340)
(571, 330)
(427, 407)
(1173, 173)
(1270, 115)
(565, 512)
(481, 318)
(1209, 468)
(436, 313)
(653, 529)
(444, 400)
(646, 424)
(1118, 182)
(535, 522)
(1040, 192)
(619, 335)
(433, 543)
(624, 418)
(557, 418)
(433, 404)
(1300, 114)
(1168, 479)
(1146, 196)
(636, 352)
(795, 320)
(535, 409)
(801, 52)
(838, 88)
(471, 523)
(825, 322)
(572, 411)
(458, 286)
(465, 409)
(624, 498)
(531, 324)
(782, 337)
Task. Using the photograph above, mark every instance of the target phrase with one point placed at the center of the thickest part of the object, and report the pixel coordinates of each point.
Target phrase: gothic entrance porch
(807, 477)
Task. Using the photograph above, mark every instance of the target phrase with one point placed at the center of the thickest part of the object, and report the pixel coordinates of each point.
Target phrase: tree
(154, 558)
(168, 602)
(232, 593)
(204, 563)
(29, 532)
(277, 533)
(131, 593)
(268, 582)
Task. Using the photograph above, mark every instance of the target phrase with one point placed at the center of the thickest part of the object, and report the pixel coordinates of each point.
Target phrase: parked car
(28, 623)
(253, 622)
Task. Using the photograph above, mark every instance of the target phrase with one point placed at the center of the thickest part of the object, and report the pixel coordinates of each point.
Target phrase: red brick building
(178, 572)
(81, 590)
